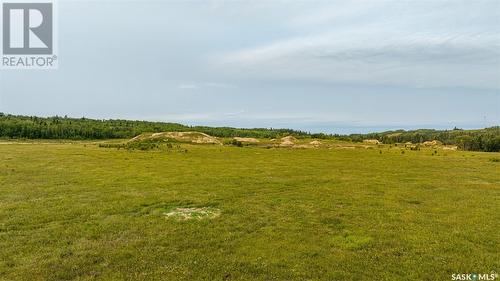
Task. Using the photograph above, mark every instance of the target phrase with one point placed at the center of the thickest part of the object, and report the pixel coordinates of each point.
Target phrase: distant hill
(487, 139)
(31, 127)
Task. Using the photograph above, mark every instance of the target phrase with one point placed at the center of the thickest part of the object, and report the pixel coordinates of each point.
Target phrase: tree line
(32, 127)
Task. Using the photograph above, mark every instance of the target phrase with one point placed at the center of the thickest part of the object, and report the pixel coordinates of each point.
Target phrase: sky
(318, 66)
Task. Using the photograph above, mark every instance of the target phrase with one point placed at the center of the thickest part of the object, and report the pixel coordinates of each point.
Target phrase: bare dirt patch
(246, 140)
(193, 213)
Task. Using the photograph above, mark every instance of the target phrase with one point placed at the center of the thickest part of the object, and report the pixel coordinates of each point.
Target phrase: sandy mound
(288, 141)
(246, 140)
(450, 148)
(432, 143)
(371, 141)
(192, 137)
(316, 143)
(312, 144)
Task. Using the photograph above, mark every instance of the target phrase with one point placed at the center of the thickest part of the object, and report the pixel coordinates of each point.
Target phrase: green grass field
(80, 212)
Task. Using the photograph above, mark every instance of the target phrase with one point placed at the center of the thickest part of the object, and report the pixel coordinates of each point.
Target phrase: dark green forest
(31, 127)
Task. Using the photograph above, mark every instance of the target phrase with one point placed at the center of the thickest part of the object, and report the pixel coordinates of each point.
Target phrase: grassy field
(80, 212)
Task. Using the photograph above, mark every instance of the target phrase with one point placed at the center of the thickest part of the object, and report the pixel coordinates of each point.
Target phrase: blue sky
(331, 66)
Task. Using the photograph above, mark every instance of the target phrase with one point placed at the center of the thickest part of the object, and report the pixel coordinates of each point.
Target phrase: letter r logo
(27, 28)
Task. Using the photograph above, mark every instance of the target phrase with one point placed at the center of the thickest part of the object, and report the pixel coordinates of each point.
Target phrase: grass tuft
(350, 241)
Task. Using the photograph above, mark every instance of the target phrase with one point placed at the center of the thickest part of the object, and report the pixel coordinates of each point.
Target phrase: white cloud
(422, 48)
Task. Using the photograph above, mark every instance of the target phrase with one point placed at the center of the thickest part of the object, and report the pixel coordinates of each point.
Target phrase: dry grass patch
(193, 213)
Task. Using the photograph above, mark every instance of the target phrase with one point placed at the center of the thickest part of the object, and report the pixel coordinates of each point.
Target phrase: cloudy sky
(332, 66)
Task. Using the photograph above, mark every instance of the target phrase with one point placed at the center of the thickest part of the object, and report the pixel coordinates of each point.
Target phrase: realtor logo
(27, 28)
(28, 35)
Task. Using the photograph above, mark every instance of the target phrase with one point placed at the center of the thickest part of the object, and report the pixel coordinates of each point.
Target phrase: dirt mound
(432, 143)
(316, 143)
(246, 140)
(371, 141)
(288, 138)
(312, 144)
(288, 141)
(189, 137)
